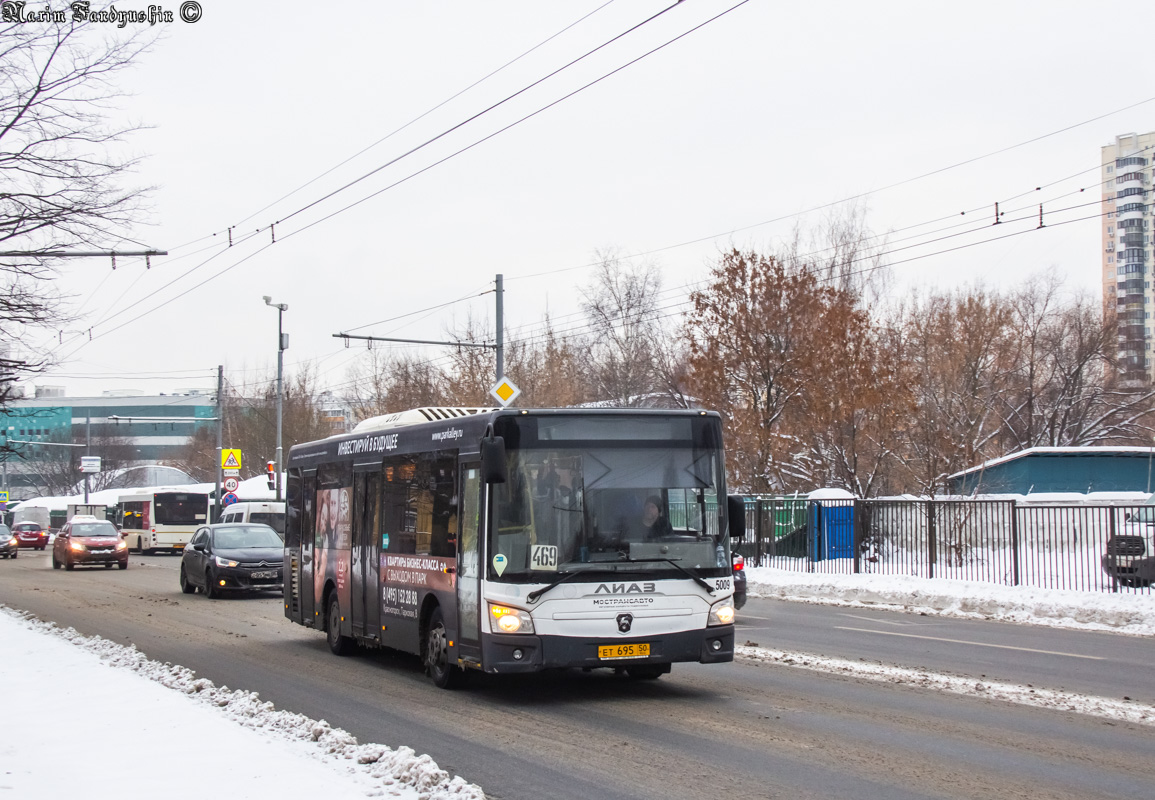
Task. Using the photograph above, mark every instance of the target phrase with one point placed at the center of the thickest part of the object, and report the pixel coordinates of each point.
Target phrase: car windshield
(94, 529)
(627, 503)
(246, 536)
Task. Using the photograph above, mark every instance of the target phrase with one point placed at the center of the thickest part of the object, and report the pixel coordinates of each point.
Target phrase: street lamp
(282, 346)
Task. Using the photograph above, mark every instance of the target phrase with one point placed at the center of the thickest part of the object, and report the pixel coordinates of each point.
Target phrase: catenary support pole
(500, 328)
(220, 439)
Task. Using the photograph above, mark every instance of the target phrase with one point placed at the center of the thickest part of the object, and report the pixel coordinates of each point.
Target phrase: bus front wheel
(339, 645)
(437, 666)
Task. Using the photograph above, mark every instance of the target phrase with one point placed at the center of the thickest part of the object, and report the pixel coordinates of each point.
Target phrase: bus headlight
(722, 612)
(504, 619)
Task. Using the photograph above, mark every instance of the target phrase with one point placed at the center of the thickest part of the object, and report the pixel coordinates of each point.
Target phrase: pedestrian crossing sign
(230, 459)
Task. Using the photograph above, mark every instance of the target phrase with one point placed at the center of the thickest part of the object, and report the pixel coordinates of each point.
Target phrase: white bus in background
(161, 519)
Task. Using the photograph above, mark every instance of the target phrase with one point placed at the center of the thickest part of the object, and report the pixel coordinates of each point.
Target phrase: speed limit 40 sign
(231, 484)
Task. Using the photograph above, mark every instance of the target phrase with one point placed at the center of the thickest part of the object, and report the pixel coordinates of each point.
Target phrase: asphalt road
(740, 730)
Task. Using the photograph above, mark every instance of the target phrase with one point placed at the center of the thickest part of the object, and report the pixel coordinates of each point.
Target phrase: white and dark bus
(161, 519)
(514, 540)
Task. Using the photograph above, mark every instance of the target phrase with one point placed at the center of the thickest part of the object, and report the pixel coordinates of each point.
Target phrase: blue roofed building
(1041, 470)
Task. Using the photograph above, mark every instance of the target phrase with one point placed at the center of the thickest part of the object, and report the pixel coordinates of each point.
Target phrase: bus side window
(443, 524)
(398, 513)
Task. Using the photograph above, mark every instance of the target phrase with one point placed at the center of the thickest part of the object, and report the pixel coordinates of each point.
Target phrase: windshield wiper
(673, 562)
(534, 595)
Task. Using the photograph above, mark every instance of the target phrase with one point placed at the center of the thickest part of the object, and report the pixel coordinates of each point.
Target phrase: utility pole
(282, 346)
(220, 440)
(498, 348)
(500, 327)
(87, 447)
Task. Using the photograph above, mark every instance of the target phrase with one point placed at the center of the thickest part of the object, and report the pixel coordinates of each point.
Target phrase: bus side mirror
(493, 468)
(736, 512)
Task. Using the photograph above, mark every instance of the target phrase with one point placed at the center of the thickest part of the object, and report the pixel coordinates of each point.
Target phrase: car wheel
(437, 666)
(123, 565)
(55, 563)
(339, 645)
(185, 586)
(108, 565)
(15, 554)
(68, 565)
(211, 591)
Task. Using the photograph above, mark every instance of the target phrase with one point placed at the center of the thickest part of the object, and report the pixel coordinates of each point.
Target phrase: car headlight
(504, 619)
(13, 541)
(78, 547)
(722, 612)
(122, 545)
(224, 562)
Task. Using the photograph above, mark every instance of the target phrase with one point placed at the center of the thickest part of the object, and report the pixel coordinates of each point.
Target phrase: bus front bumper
(502, 653)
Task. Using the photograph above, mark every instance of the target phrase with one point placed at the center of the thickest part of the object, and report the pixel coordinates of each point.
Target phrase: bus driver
(654, 521)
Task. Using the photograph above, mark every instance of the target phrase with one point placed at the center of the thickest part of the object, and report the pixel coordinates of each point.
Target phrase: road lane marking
(976, 644)
(879, 621)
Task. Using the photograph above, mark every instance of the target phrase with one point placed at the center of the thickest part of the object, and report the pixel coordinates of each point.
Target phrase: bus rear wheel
(437, 666)
(338, 645)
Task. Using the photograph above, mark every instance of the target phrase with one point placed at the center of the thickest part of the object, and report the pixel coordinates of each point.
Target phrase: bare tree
(842, 252)
(250, 424)
(63, 175)
(551, 369)
(386, 381)
(622, 308)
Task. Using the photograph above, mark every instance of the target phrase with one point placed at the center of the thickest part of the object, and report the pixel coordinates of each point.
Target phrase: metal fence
(1081, 547)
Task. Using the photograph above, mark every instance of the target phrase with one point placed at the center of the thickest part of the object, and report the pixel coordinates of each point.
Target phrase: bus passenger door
(308, 522)
(469, 566)
(366, 546)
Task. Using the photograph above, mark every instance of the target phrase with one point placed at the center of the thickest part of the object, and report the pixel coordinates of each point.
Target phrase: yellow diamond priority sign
(505, 391)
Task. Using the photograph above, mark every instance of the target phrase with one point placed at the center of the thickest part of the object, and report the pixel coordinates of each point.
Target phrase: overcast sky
(729, 136)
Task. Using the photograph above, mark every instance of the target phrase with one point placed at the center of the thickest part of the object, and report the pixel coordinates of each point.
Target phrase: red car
(87, 540)
(31, 534)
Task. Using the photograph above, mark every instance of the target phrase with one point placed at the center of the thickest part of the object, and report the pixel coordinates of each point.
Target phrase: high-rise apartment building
(1127, 230)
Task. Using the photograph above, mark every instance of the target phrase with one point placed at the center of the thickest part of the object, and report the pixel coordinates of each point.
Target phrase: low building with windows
(125, 429)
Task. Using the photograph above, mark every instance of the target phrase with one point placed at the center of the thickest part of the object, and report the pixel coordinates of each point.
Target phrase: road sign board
(232, 484)
(4, 496)
(505, 391)
(230, 459)
(90, 463)
(229, 499)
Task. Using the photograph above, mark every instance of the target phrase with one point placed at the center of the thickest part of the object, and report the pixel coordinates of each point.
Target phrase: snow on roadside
(1123, 612)
(379, 769)
(1110, 708)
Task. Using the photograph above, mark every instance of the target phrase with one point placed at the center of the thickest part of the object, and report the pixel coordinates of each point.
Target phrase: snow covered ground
(85, 717)
(96, 698)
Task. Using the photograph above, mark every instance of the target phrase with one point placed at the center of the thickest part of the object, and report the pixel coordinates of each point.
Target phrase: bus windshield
(172, 508)
(617, 505)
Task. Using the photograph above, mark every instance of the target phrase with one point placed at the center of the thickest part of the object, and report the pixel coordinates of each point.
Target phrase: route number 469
(543, 556)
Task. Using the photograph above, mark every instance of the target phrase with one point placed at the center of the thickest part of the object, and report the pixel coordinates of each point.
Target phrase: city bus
(161, 519)
(513, 541)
